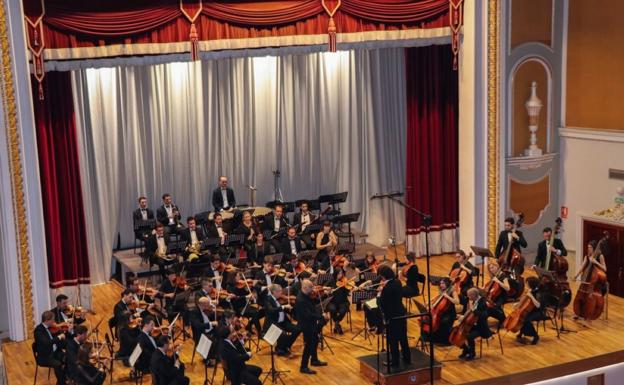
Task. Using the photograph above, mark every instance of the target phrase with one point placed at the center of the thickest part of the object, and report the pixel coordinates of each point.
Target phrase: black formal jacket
(540, 259)
(391, 301)
(217, 198)
(260, 276)
(119, 308)
(297, 219)
(147, 349)
(186, 235)
(136, 214)
(235, 358)
(151, 244)
(44, 344)
(285, 245)
(163, 217)
(309, 318)
(503, 242)
(212, 231)
(269, 222)
(128, 338)
(163, 370)
(58, 317)
(272, 309)
(71, 357)
(482, 315)
(198, 326)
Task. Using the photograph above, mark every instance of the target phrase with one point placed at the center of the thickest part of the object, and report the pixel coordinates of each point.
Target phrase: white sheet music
(203, 346)
(272, 335)
(136, 353)
(371, 303)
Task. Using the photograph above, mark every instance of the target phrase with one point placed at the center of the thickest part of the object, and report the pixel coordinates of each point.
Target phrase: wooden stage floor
(596, 344)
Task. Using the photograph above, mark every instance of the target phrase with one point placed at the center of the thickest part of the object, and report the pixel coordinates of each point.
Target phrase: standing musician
(274, 222)
(496, 291)
(86, 372)
(203, 322)
(193, 236)
(276, 314)
(128, 336)
(509, 236)
(63, 312)
(235, 357)
(157, 248)
(291, 245)
(169, 214)
(49, 348)
(598, 261)
(165, 364)
(223, 196)
(446, 316)
(326, 240)
(338, 307)
(390, 302)
(478, 307)
(548, 247)
(142, 213)
(535, 294)
(462, 265)
(301, 220)
(411, 275)
(310, 321)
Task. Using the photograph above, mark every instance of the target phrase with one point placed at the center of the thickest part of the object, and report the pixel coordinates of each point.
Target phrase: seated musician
(204, 322)
(447, 316)
(157, 248)
(547, 248)
(234, 356)
(410, 274)
(169, 289)
(509, 236)
(301, 220)
(503, 280)
(243, 302)
(193, 236)
(142, 213)
(249, 230)
(535, 294)
(326, 240)
(291, 244)
(276, 313)
(589, 259)
(274, 223)
(147, 343)
(140, 293)
(216, 230)
(86, 372)
(259, 249)
(370, 263)
(63, 312)
(49, 348)
(72, 346)
(165, 364)
(481, 329)
(223, 196)
(265, 278)
(124, 305)
(128, 336)
(169, 215)
(338, 306)
(463, 264)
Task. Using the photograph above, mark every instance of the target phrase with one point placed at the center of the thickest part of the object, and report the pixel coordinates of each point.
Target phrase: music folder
(203, 346)
(136, 353)
(272, 335)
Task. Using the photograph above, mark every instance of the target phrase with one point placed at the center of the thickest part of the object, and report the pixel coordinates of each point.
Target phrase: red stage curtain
(396, 11)
(63, 212)
(432, 137)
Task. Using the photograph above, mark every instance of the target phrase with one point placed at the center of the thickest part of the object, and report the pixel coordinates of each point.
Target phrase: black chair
(420, 284)
(112, 327)
(34, 350)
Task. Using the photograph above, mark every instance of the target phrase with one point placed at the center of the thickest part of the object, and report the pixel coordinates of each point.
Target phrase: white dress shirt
(225, 200)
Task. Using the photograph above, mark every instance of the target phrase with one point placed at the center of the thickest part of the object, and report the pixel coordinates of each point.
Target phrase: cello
(439, 306)
(589, 301)
(515, 320)
(459, 334)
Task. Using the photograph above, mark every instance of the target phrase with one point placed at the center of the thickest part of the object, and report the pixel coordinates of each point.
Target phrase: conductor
(391, 305)
(310, 321)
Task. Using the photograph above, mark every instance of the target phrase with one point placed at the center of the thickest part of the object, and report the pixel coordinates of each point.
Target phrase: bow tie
(143, 210)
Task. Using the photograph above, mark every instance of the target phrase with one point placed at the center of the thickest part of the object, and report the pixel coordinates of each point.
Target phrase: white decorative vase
(533, 107)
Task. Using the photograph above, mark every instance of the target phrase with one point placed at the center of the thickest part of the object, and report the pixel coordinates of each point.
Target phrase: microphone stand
(426, 222)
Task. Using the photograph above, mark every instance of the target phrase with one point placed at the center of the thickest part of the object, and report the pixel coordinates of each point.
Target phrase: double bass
(511, 257)
(559, 266)
(589, 301)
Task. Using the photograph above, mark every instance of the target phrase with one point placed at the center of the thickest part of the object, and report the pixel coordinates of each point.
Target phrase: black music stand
(348, 219)
(276, 259)
(483, 253)
(543, 273)
(143, 227)
(333, 200)
(313, 228)
(359, 296)
(234, 239)
(306, 255)
(202, 219)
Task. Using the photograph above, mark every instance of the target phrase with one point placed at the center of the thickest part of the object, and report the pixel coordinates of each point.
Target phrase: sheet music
(272, 335)
(204, 345)
(371, 303)
(136, 353)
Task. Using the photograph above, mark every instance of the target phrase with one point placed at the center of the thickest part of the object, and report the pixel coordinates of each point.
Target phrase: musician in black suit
(276, 314)
(216, 230)
(235, 357)
(169, 214)
(509, 235)
(310, 320)
(390, 303)
(291, 244)
(223, 196)
(203, 322)
(265, 278)
(274, 223)
(124, 304)
(142, 213)
(301, 220)
(192, 235)
(478, 306)
(61, 313)
(147, 343)
(72, 346)
(49, 348)
(167, 370)
(548, 248)
(157, 248)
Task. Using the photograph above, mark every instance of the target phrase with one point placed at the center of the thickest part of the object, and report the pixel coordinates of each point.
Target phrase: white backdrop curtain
(330, 122)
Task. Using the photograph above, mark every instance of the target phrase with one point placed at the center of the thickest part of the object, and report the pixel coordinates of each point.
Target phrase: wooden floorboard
(601, 341)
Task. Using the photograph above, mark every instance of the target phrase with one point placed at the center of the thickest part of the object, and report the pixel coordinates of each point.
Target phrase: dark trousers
(55, 363)
(527, 326)
(248, 376)
(289, 335)
(338, 310)
(409, 291)
(310, 347)
(253, 315)
(397, 335)
(498, 314)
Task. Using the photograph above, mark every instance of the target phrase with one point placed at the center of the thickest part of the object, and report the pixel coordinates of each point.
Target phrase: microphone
(391, 194)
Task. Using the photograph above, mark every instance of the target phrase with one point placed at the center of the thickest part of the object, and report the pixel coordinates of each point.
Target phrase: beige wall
(531, 21)
(595, 75)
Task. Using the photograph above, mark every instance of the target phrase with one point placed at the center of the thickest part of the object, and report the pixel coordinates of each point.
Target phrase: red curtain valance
(396, 11)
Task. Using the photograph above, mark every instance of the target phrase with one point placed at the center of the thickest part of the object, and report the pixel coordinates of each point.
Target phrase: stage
(597, 344)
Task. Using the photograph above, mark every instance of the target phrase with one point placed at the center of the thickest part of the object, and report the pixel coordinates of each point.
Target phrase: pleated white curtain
(330, 122)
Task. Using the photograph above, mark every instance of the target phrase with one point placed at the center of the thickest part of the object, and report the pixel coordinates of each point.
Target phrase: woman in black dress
(338, 307)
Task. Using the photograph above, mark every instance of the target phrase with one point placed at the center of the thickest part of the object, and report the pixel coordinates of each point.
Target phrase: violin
(459, 333)
(160, 330)
(319, 291)
(339, 261)
(242, 283)
(227, 268)
(589, 301)
(134, 323)
(345, 282)
(180, 283)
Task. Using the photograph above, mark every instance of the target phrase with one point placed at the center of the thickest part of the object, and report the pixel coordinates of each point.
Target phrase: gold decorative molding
(16, 171)
(493, 137)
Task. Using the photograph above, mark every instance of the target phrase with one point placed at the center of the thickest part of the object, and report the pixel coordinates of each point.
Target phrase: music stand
(483, 253)
(307, 255)
(348, 219)
(359, 296)
(345, 248)
(234, 239)
(313, 228)
(276, 259)
(333, 200)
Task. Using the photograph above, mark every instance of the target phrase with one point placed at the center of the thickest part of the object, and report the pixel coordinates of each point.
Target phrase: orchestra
(239, 292)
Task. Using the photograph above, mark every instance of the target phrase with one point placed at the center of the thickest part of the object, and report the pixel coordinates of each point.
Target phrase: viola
(515, 320)
(589, 301)
(459, 333)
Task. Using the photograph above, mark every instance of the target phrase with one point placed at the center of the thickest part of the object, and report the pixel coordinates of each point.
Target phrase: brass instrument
(194, 250)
